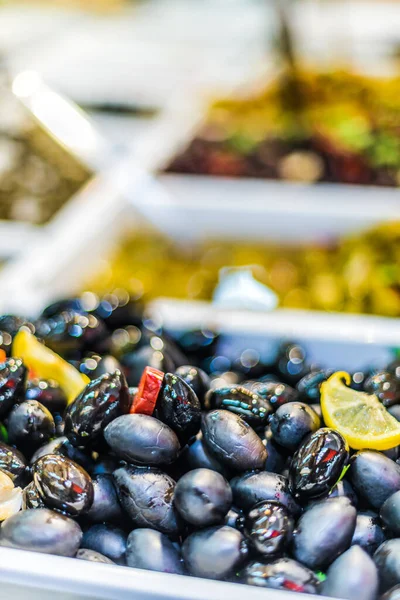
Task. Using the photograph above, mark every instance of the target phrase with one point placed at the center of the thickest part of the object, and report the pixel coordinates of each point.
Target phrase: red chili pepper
(149, 388)
(329, 455)
(294, 587)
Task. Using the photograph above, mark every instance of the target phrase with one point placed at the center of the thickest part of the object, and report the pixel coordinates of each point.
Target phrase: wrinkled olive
(233, 441)
(147, 497)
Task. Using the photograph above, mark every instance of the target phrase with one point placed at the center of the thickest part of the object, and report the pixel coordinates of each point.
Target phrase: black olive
(368, 533)
(105, 505)
(318, 464)
(234, 518)
(282, 574)
(276, 458)
(12, 462)
(352, 575)
(215, 552)
(385, 386)
(142, 439)
(387, 559)
(203, 497)
(48, 393)
(251, 488)
(390, 514)
(395, 411)
(107, 364)
(108, 540)
(153, 550)
(269, 527)
(392, 594)
(310, 385)
(240, 401)
(344, 488)
(233, 441)
(323, 532)
(99, 403)
(178, 407)
(147, 497)
(292, 422)
(41, 530)
(197, 456)
(62, 484)
(198, 380)
(30, 425)
(12, 384)
(199, 344)
(105, 465)
(374, 476)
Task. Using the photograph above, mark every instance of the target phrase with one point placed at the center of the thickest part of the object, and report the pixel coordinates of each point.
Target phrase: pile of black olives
(177, 459)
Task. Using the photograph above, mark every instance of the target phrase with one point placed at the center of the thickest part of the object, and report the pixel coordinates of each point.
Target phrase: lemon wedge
(361, 419)
(46, 364)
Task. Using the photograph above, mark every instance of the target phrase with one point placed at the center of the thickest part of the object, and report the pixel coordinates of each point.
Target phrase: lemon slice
(361, 419)
(48, 365)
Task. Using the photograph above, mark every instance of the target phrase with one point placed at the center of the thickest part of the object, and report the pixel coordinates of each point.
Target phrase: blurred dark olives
(198, 380)
(385, 386)
(134, 363)
(292, 422)
(317, 464)
(147, 497)
(48, 393)
(12, 384)
(142, 439)
(153, 550)
(178, 407)
(30, 424)
(62, 484)
(310, 385)
(215, 552)
(41, 530)
(282, 574)
(99, 403)
(233, 441)
(275, 392)
(292, 362)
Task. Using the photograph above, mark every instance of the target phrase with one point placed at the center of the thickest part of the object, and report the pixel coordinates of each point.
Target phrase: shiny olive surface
(142, 439)
(153, 550)
(30, 425)
(198, 456)
(309, 387)
(147, 497)
(198, 380)
(62, 445)
(101, 401)
(12, 384)
(283, 574)
(178, 407)
(317, 464)
(240, 401)
(269, 527)
(48, 393)
(12, 462)
(62, 484)
(233, 441)
(251, 488)
(41, 530)
(31, 497)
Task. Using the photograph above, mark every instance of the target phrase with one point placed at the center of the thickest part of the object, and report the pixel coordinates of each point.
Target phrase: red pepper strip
(149, 388)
